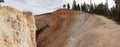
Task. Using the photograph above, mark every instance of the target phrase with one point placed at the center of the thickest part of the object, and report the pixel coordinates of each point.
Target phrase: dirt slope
(70, 28)
(42, 21)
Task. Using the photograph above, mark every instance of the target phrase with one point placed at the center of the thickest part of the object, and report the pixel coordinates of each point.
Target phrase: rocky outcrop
(57, 35)
(42, 23)
(70, 28)
(42, 20)
(17, 29)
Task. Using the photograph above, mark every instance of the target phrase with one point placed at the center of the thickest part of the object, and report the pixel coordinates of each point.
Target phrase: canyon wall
(69, 28)
(17, 29)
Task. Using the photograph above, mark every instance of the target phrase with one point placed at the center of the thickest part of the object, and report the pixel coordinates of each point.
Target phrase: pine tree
(113, 13)
(64, 6)
(1, 1)
(74, 7)
(117, 2)
(78, 7)
(100, 9)
(68, 6)
(87, 7)
(106, 8)
(83, 7)
(91, 9)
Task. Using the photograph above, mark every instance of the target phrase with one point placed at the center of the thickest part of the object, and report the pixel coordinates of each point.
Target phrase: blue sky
(45, 6)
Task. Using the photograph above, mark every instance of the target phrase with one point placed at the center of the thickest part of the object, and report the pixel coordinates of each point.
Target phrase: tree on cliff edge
(68, 6)
(117, 2)
(64, 6)
(78, 7)
(1, 1)
(74, 6)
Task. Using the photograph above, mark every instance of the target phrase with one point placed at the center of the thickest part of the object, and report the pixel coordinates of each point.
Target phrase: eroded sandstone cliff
(17, 29)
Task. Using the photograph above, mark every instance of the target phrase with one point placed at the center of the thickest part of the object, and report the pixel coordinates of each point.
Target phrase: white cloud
(36, 6)
(44, 6)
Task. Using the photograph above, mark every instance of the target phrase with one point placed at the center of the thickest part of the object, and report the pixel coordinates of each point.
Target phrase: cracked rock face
(17, 29)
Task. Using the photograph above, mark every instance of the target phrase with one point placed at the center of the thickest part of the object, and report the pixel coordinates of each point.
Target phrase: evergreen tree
(100, 9)
(117, 2)
(83, 7)
(91, 9)
(64, 6)
(113, 13)
(87, 7)
(74, 7)
(68, 6)
(78, 7)
(1, 1)
(106, 8)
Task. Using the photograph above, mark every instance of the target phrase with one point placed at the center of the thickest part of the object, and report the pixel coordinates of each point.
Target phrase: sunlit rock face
(57, 33)
(17, 29)
(68, 28)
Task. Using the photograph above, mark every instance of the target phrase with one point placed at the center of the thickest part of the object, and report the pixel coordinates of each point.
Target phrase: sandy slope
(70, 28)
(42, 21)
(94, 31)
